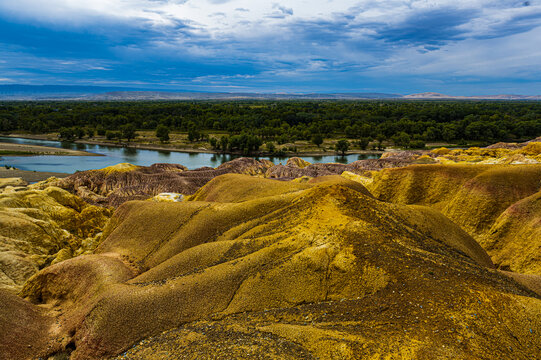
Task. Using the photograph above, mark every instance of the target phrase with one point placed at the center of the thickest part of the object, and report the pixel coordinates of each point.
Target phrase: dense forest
(405, 123)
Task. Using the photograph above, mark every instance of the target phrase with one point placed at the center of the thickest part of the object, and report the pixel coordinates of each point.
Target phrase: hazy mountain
(101, 93)
(61, 92)
(30, 92)
(155, 95)
(434, 95)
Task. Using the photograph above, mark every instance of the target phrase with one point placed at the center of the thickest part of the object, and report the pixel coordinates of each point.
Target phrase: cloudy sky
(456, 47)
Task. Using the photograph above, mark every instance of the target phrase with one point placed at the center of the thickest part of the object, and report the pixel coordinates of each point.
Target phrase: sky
(456, 47)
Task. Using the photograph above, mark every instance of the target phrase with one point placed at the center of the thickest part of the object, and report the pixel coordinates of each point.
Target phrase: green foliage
(379, 145)
(245, 143)
(79, 132)
(342, 146)
(224, 142)
(67, 134)
(128, 131)
(90, 132)
(162, 133)
(38, 127)
(363, 143)
(270, 147)
(100, 130)
(317, 139)
(417, 144)
(193, 133)
(401, 139)
(111, 135)
(282, 139)
(214, 143)
(287, 121)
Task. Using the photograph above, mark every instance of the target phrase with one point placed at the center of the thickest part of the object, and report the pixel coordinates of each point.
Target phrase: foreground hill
(40, 227)
(252, 267)
(497, 204)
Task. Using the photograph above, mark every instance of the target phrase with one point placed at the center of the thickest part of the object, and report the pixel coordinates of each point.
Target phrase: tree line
(249, 124)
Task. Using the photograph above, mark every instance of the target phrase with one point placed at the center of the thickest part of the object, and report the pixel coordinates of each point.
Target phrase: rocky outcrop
(117, 184)
(319, 269)
(292, 171)
(13, 182)
(297, 162)
(39, 227)
(513, 146)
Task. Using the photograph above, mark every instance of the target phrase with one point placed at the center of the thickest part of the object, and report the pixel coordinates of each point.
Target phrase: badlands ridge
(418, 255)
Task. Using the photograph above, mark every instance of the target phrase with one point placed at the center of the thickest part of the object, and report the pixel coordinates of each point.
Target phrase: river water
(114, 155)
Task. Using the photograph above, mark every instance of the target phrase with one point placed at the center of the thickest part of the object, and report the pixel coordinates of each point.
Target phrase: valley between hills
(417, 255)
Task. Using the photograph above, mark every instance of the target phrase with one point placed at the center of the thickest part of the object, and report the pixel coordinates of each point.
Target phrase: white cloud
(289, 38)
(514, 56)
(237, 12)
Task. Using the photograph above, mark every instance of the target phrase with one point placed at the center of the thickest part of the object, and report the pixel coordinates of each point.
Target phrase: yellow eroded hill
(514, 240)
(494, 203)
(122, 167)
(40, 227)
(238, 188)
(25, 328)
(322, 270)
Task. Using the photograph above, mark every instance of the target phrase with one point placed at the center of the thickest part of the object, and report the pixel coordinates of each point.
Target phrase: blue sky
(455, 47)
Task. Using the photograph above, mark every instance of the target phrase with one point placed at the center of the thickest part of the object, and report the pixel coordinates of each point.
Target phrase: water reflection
(341, 159)
(115, 155)
(130, 152)
(164, 154)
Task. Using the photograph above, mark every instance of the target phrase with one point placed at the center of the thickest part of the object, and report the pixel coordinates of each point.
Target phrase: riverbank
(178, 146)
(29, 176)
(9, 149)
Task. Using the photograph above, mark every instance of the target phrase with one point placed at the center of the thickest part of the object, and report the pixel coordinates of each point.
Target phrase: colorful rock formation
(40, 227)
(496, 204)
(419, 255)
(298, 270)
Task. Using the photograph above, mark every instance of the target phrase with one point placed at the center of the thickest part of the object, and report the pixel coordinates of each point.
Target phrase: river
(114, 155)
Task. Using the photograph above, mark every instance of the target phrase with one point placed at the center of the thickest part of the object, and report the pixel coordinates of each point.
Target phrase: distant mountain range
(96, 93)
(433, 95)
(158, 95)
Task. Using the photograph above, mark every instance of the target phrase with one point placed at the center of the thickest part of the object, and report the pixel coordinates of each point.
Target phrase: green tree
(90, 132)
(224, 142)
(342, 146)
(79, 132)
(214, 143)
(100, 130)
(401, 139)
(417, 144)
(111, 135)
(380, 139)
(162, 133)
(38, 127)
(317, 140)
(193, 134)
(270, 147)
(363, 143)
(67, 134)
(128, 131)
(282, 139)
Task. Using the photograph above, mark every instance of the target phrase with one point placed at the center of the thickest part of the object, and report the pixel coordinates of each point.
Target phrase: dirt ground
(7, 149)
(29, 176)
